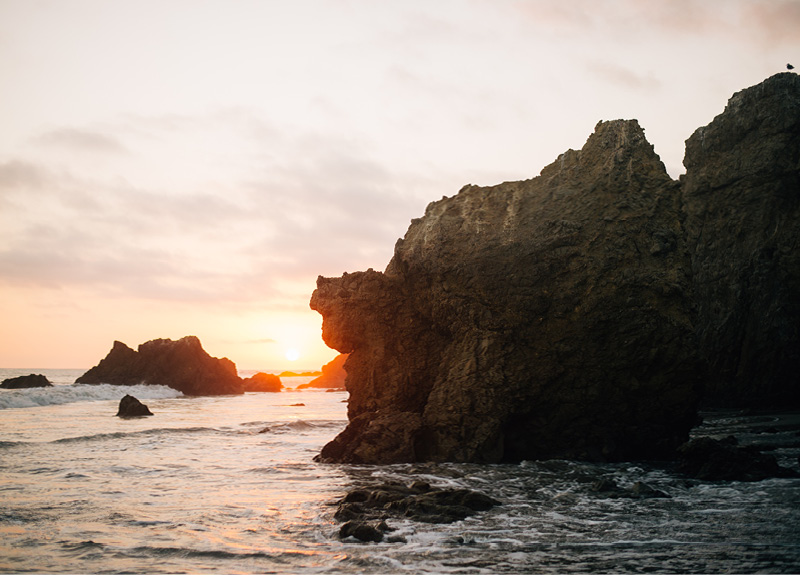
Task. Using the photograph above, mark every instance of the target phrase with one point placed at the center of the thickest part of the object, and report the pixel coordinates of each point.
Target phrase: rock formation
(534, 319)
(557, 317)
(261, 381)
(183, 365)
(742, 203)
(25, 382)
(333, 375)
(129, 406)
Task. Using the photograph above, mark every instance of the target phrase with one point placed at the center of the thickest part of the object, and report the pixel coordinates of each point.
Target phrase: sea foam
(60, 394)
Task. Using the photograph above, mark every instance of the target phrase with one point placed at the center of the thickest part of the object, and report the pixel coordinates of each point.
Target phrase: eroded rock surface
(574, 315)
(534, 319)
(742, 204)
(183, 365)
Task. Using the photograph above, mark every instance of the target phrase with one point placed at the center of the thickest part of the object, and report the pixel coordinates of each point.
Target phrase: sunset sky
(189, 167)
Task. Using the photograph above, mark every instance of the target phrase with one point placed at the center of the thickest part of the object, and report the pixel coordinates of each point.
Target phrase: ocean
(228, 485)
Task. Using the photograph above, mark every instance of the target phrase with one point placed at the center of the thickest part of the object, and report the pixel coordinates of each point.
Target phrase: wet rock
(418, 502)
(183, 365)
(262, 382)
(25, 382)
(129, 406)
(362, 531)
(710, 459)
(642, 490)
(610, 489)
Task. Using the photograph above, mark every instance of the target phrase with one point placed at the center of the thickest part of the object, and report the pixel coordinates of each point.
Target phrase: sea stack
(574, 315)
(535, 319)
(742, 204)
(183, 365)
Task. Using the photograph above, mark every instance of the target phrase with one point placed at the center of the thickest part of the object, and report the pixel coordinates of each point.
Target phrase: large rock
(25, 382)
(742, 203)
(262, 382)
(333, 375)
(534, 319)
(183, 365)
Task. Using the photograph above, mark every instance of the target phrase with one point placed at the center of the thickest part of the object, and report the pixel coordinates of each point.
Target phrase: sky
(189, 167)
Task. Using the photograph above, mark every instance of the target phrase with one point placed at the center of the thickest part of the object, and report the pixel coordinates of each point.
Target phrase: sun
(292, 354)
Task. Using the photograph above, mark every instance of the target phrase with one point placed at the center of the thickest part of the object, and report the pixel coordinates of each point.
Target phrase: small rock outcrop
(742, 204)
(365, 510)
(183, 365)
(262, 382)
(536, 319)
(723, 460)
(25, 382)
(333, 375)
(129, 406)
(576, 315)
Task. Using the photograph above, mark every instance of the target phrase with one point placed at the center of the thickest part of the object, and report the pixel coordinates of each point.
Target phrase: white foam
(60, 394)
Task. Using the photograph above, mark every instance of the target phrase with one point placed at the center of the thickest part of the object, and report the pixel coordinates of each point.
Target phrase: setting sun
(292, 354)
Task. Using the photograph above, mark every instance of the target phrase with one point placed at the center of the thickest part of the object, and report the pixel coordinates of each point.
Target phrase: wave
(143, 432)
(300, 425)
(61, 394)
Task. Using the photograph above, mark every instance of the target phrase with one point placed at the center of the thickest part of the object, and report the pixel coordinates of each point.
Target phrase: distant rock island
(584, 313)
(183, 365)
(332, 377)
(265, 382)
(26, 382)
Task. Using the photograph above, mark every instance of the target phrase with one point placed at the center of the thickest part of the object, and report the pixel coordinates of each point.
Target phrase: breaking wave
(60, 394)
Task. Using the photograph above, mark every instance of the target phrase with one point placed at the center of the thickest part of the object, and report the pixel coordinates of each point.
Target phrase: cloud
(624, 77)
(290, 207)
(76, 139)
(20, 174)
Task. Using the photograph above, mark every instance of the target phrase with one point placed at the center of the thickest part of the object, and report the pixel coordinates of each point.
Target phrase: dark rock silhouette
(535, 319)
(333, 375)
(742, 204)
(573, 315)
(365, 510)
(129, 406)
(723, 460)
(25, 382)
(261, 381)
(183, 365)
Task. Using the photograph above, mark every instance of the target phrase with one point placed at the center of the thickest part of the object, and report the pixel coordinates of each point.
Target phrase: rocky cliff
(183, 365)
(742, 202)
(575, 315)
(534, 319)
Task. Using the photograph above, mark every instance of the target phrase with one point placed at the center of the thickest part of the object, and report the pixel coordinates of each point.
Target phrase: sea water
(228, 485)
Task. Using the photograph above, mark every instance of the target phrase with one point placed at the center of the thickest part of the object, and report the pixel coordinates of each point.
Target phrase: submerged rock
(723, 460)
(129, 406)
(25, 382)
(183, 365)
(573, 315)
(266, 382)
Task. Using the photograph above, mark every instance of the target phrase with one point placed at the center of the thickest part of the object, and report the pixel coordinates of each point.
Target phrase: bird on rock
(789, 67)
